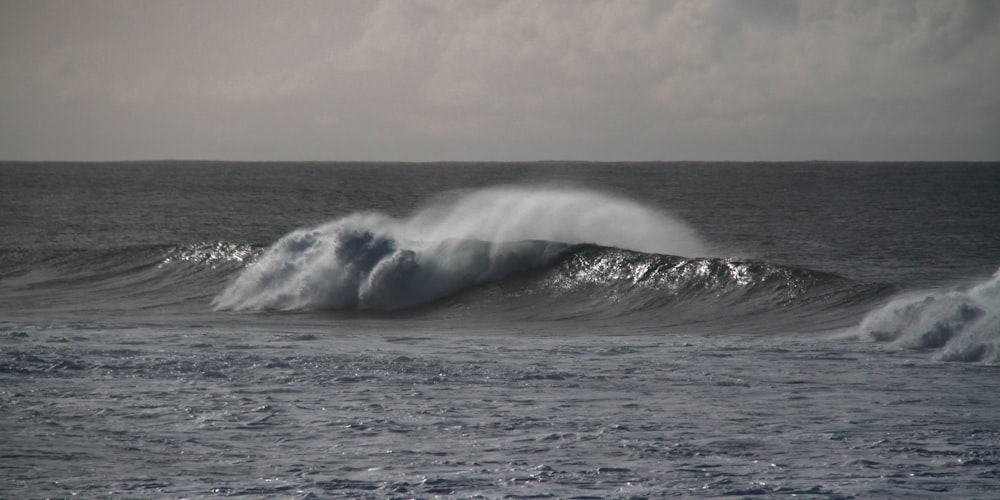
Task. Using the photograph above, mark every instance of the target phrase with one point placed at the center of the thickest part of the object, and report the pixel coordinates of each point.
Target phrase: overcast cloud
(515, 80)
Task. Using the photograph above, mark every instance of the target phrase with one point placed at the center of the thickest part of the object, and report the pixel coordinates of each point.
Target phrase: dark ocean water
(189, 329)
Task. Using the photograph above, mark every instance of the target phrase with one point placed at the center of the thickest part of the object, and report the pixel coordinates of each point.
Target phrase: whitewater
(554, 329)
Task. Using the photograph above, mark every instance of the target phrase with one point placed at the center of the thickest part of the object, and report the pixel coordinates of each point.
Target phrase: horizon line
(427, 162)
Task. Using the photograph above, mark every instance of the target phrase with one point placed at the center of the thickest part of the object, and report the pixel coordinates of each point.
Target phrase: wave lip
(962, 325)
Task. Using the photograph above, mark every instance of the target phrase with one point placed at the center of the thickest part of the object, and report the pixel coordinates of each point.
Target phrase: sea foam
(962, 325)
(372, 261)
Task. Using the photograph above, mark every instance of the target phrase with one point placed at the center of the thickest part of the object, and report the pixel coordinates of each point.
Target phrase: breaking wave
(960, 325)
(371, 261)
(358, 269)
(528, 254)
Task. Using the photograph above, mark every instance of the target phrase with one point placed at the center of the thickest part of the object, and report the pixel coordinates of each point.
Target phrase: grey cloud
(428, 79)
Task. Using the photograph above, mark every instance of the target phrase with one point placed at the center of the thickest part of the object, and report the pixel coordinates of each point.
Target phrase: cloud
(721, 63)
(643, 79)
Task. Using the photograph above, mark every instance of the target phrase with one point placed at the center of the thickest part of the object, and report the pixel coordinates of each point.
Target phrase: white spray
(963, 325)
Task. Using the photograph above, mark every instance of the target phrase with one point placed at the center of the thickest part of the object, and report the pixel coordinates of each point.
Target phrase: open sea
(186, 329)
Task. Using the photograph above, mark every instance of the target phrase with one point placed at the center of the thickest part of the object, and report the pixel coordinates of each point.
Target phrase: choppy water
(569, 330)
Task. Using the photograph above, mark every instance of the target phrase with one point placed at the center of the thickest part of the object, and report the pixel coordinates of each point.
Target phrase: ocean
(194, 329)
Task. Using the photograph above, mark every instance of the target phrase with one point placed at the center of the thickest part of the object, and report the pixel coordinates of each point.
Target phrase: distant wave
(960, 325)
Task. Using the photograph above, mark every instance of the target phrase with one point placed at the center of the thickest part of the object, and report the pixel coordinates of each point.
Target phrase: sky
(430, 80)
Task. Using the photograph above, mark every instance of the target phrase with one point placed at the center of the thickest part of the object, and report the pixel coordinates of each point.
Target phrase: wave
(359, 269)
(372, 261)
(496, 255)
(537, 254)
(959, 325)
(637, 290)
(117, 279)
